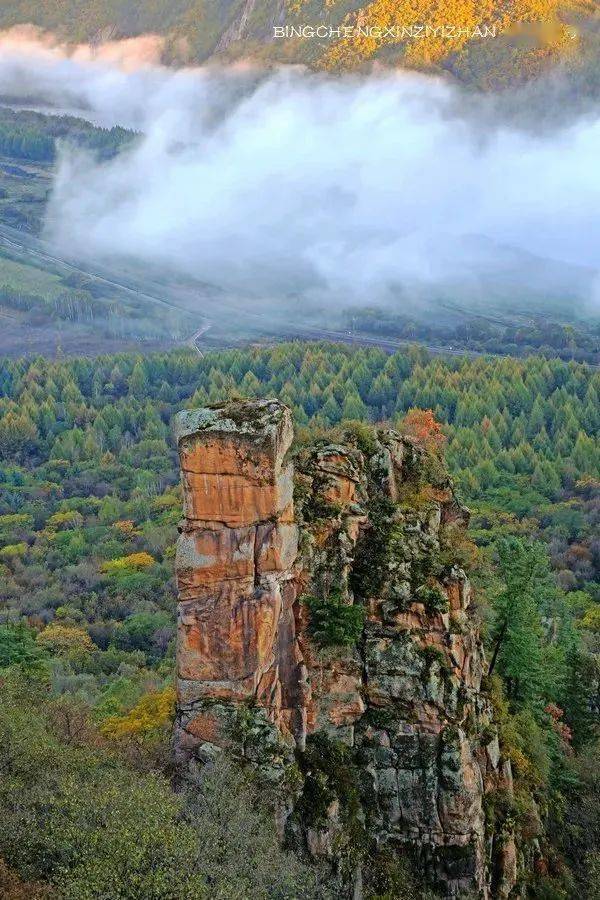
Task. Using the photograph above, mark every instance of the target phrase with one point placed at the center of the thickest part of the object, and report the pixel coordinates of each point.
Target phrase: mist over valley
(270, 200)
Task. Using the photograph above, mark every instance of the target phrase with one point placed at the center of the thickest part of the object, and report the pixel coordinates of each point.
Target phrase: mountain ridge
(531, 36)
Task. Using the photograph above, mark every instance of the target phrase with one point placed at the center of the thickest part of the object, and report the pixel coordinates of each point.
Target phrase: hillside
(299, 450)
(529, 35)
(89, 507)
(326, 635)
(49, 302)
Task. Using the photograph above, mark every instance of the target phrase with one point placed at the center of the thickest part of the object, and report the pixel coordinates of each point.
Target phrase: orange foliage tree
(422, 426)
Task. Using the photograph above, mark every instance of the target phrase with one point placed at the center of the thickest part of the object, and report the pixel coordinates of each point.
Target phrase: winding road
(43, 253)
(40, 251)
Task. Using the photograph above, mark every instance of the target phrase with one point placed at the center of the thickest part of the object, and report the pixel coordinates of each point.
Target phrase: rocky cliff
(326, 636)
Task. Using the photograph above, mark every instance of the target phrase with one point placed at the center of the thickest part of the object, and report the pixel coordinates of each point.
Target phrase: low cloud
(346, 190)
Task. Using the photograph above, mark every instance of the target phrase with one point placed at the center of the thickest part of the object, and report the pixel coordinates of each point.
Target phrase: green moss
(334, 623)
(330, 773)
(390, 875)
(362, 435)
(455, 548)
(317, 797)
(243, 722)
(302, 490)
(293, 780)
(500, 809)
(309, 500)
(244, 412)
(433, 655)
(373, 548)
(424, 566)
(316, 508)
(487, 734)
(456, 627)
(433, 598)
(450, 737)
(381, 717)
(458, 856)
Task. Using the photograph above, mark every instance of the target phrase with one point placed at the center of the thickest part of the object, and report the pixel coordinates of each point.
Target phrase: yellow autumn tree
(134, 562)
(149, 718)
(464, 16)
(591, 620)
(125, 526)
(65, 520)
(65, 640)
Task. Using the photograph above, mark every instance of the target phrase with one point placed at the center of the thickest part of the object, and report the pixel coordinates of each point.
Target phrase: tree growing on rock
(422, 426)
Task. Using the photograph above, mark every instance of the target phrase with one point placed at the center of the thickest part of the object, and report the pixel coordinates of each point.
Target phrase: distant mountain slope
(530, 34)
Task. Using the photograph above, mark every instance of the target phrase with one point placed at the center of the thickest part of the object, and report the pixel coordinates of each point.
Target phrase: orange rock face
(230, 638)
(404, 697)
(236, 548)
(233, 470)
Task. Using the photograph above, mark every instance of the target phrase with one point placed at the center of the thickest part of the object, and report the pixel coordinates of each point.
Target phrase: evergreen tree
(517, 635)
(578, 697)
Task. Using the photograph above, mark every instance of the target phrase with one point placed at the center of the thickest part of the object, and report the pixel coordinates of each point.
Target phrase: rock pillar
(237, 545)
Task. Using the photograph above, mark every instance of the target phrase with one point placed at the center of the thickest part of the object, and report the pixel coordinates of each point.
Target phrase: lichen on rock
(322, 624)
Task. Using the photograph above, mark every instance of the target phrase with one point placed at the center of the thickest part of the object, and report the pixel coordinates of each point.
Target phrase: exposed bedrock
(325, 635)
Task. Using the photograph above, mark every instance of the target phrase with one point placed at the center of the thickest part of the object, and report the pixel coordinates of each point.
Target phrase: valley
(299, 451)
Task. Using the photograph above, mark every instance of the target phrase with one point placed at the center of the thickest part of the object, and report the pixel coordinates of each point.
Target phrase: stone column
(237, 545)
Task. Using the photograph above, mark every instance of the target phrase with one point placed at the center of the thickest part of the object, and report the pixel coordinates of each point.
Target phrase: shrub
(67, 519)
(12, 887)
(13, 550)
(65, 640)
(334, 622)
(330, 774)
(140, 631)
(389, 876)
(125, 565)
(78, 819)
(239, 854)
(18, 647)
(433, 598)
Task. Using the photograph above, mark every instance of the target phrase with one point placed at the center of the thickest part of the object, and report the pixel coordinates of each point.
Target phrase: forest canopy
(89, 504)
